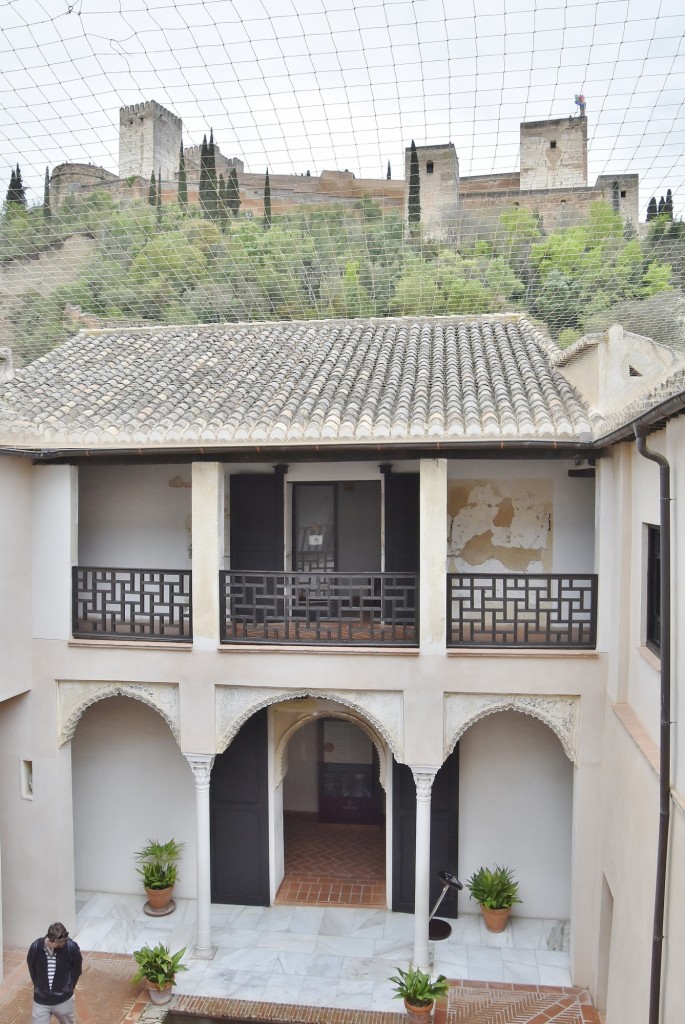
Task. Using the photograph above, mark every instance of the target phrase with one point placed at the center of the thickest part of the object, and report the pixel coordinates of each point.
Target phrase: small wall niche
(26, 779)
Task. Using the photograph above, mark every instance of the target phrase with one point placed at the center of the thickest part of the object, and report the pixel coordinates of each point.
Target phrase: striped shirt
(51, 956)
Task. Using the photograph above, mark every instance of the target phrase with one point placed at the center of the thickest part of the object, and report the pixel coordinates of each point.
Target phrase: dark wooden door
(239, 818)
(257, 521)
(444, 835)
(402, 522)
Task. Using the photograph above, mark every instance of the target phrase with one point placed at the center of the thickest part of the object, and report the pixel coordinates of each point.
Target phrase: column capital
(424, 774)
(201, 767)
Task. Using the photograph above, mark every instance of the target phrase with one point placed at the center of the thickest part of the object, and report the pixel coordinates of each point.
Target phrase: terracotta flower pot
(495, 920)
(158, 995)
(419, 1012)
(159, 898)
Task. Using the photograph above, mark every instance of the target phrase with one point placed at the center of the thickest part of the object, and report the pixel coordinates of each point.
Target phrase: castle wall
(149, 140)
(554, 153)
(70, 179)
(439, 182)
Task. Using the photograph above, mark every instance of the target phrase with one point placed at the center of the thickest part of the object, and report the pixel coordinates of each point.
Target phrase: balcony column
(208, 551)
(201, 765)
(433, 556)
(423, 778)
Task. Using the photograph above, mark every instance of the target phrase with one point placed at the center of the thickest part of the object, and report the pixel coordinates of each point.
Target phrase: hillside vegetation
(170, 265)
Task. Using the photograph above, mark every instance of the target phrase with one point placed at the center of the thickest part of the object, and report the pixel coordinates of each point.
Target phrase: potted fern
(158, 967)
(496, 890)
(418, 991)
(159, 873)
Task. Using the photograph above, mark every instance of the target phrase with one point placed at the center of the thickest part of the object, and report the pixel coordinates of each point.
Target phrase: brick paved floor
(106, 996)
(332, 865)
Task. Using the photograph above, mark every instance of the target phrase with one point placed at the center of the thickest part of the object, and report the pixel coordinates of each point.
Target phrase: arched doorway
(333, 817)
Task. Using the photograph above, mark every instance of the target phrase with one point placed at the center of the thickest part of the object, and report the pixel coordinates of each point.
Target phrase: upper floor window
(553, 144)
(429, 167)
(653, 604)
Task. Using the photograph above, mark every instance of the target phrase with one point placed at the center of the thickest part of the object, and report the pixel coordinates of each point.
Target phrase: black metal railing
(341, 608)
(536, 610)
(152, 604)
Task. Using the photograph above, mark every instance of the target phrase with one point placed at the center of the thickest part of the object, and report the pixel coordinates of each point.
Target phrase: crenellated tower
(149, 140)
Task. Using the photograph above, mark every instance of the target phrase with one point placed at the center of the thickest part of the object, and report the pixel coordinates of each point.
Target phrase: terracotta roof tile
(409, 379)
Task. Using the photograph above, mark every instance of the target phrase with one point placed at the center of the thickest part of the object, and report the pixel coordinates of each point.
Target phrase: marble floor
(321, 956)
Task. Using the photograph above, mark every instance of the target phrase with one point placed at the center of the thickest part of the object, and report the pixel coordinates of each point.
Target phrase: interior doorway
(333, 818)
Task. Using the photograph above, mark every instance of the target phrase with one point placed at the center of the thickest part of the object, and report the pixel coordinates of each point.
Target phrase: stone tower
(149, 139)
(439, 185)
(554, 153)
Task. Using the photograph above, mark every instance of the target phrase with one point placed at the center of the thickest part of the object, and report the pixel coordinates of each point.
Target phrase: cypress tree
(152, 191)
(267, 202)
(668, 208)
(233, 192)
(388, 175)
(662, 203)
(182, 180)
(47, 210)
(212, 189)
(203, 175)
(222, 203)
(16, 195)
(414, 196)
(651, 209)
(11, 189)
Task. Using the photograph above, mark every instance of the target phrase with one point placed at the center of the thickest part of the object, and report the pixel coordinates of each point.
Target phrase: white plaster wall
(129, 516)
(301, 784)
(131, 783)
(573, 510)
(15, 572)
(54, 524)
(515, 809)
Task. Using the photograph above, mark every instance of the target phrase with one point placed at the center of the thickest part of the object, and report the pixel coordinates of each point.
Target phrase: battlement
(148, 107)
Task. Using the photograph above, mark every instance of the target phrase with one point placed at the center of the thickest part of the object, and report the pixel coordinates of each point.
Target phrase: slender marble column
(201, 765)
(423, 777)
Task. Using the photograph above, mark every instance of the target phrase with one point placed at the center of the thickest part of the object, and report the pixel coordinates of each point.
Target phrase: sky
(297, 85)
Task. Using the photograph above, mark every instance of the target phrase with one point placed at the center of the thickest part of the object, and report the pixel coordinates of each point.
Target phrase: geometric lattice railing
(536, 610)
(153, 604)
(353, 608)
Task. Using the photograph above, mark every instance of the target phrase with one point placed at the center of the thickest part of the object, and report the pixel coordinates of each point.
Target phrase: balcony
(145, 604)
(540, 610)
(346, 609)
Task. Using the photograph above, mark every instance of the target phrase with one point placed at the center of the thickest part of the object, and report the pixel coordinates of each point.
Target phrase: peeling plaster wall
(519, 517)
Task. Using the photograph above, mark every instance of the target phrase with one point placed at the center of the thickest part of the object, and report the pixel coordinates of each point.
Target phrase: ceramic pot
(495, 920)
(159, 898)
(419, 1013)
(158, 995)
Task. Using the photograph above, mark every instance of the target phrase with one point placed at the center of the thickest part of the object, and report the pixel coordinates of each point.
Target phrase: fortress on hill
(552, 181)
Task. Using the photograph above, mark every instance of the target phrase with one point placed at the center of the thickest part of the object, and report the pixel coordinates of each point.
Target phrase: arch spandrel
(74, 697)
(560, 714)
(379, 713)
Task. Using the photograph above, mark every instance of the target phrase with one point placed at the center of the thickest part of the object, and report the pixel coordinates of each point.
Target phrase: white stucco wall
(135, 516)
(15, 569)
(54, 524)
(515, 809)
(131, 783)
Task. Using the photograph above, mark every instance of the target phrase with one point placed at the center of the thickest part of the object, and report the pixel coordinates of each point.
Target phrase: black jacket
(67, 972)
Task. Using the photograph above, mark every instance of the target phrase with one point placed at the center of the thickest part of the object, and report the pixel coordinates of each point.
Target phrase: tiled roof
(402, 380)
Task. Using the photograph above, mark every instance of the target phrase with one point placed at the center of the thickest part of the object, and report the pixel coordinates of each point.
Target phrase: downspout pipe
(665, 729)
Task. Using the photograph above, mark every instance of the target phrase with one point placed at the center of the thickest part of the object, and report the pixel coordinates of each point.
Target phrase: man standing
(55, 966)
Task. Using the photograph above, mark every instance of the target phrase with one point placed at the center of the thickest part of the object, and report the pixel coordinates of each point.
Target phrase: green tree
(182, 181)
(152, 190)
(212, 202)
(47, 211)
(203, 189)
(414, 196)
(16, 194)
(267, 202)
(388, 174)
(652, 209)
(233, 192)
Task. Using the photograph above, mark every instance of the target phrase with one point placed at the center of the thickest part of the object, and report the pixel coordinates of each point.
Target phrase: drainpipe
(665, 730)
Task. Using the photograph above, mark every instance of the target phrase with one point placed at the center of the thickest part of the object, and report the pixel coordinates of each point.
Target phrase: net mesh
(574, 219)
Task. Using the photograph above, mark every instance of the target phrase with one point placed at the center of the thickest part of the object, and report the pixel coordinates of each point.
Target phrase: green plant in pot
(417, 990)
(496, 890)
(158, 967)
(159, 872)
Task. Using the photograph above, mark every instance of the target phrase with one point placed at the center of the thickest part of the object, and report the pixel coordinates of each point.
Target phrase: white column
(201, 765)
(208, 551)
(433, 555)
(423, 778)
(55, 549)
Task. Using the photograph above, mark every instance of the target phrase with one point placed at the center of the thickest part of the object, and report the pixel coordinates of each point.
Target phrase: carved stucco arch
(74, 697)
(560, 714)
(378, 713)
(281, 753)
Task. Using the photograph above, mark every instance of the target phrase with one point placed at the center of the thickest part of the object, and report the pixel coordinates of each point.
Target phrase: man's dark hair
(57, 932)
